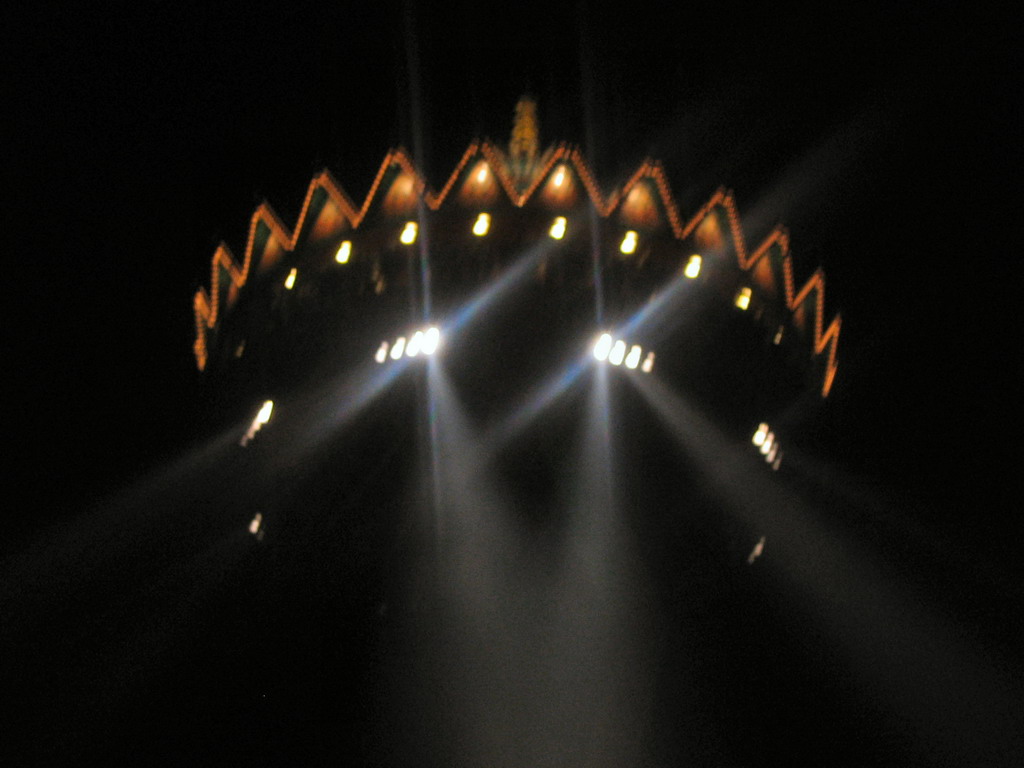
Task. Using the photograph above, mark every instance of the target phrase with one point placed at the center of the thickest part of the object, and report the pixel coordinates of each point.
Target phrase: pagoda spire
(525, 138)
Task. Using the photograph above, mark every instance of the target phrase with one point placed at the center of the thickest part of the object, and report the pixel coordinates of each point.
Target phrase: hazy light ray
(493, 292)
(603, 671)
(486, 630)
(663, 304)
(534, 404)
(330, 406)
(895, 645)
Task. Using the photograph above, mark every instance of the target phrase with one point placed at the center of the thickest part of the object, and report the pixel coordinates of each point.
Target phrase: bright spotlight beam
(534, 404)
(519, 271)
(898, 642)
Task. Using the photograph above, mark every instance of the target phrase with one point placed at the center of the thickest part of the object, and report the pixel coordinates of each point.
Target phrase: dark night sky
(886, 139)
(144, 136)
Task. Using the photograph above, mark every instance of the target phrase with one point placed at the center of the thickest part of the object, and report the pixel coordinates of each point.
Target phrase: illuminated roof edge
(206, 302)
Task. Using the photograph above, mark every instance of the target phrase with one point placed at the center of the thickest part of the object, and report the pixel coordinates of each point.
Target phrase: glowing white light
(742, 299)
(289, 282)
(557, 230)
(618, 352)
(409, 233)
(628, 243)
(399, 348)
(415, 344)
(254, 526)
(344, 251)
(431, 340)
(603, 346)
(264, 415)
(482, 224)
(481, 175)
(382, 352)
(648, 365)
(559, 178)
(693, 266)
(778, 335)
(756, 551)
(633, 358)
(772, 453)
(766, 446)
(760, 434)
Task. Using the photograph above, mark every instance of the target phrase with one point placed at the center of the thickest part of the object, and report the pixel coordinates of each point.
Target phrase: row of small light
(423, 342)
(482, 225)
(768, 444)
(614, 351)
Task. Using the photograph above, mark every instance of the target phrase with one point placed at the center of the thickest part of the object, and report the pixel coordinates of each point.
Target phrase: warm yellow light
(559, 177)
(415, 344)
(557, 230)
(344, 251)
(264, 415)
(628, 243)
(743, 298)
(760, 434)
(618, 352)
(399, 348)
(382, 352)
(482, 224)
(603, 346)
(693, 266)
(254, 525)
(431, 340)
(481, 175)
(648, 364)
(633, 358)
(289, 282)
(409, 233)
(766, 446)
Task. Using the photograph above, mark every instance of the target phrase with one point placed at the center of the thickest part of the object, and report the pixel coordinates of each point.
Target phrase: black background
(885, 139)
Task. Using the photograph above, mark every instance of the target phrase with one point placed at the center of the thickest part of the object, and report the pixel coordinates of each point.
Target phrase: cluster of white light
(289, 282)
(344, 252)
(558, 226)
(768, 444)
(262, 417)
(742, 299)
(628, 244)
(423, 342)
(615, 352)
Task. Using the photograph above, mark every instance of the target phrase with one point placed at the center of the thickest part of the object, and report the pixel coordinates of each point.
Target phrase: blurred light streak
(535, 404)
(666, 303)
(513, 275)
(910, 657)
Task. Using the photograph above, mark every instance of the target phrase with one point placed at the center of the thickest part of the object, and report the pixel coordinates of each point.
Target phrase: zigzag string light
(281, 243)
